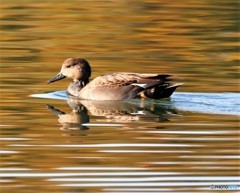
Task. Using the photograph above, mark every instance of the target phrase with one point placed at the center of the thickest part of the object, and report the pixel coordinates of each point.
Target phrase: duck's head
(75, 68)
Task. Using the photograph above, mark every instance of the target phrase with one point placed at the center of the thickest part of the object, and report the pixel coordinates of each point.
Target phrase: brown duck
(115, 86)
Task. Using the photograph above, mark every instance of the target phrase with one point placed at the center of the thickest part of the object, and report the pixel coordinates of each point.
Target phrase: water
(52, 143)
(210, 103)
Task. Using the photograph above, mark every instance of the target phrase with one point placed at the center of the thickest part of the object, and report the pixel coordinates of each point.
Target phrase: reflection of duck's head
(73, 120)
(75, 68)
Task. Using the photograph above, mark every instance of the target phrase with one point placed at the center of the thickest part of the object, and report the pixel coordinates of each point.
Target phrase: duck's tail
(161, 91)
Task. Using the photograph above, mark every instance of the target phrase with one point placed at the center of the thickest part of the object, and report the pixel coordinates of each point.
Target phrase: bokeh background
(196, 40)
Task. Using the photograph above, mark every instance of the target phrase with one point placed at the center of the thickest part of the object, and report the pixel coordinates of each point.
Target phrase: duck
(113, 86)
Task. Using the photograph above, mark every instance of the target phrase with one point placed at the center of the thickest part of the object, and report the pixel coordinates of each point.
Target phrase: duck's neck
(76, 86)
(79, 84)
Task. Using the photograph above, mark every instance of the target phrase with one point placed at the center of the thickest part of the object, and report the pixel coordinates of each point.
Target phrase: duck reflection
(73, 120)
(112, 111)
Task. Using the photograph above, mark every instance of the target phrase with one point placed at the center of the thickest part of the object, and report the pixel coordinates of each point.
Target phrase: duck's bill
(56, 78)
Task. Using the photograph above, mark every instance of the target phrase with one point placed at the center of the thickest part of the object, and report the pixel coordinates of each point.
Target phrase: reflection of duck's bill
(59, 76)
(55, 111)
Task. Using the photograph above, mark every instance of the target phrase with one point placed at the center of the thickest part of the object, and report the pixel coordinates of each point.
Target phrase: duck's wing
(117, 80)
(118, 86)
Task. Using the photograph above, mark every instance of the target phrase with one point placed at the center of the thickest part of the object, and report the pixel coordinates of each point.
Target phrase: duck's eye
(68, 66)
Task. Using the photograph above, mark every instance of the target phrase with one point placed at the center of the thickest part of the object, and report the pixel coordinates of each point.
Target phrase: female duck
(115, 86)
